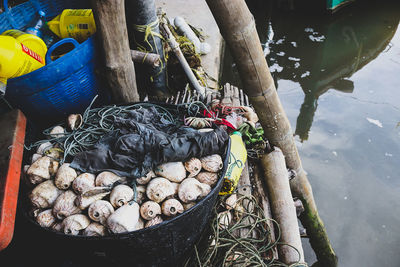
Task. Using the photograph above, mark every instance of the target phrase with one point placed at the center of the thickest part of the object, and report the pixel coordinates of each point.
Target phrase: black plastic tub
(165, 244)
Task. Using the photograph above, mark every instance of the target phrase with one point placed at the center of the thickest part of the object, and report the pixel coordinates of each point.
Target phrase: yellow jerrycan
(237, 160)
(73, 23)
(32, 41)
(17, 59)
(29, 40)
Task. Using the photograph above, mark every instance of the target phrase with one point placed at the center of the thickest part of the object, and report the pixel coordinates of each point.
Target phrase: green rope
(194, 108)
(254, 140)
(250, 134)
(148, 31)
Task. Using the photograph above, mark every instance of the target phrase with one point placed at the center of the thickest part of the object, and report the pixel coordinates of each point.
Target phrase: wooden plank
(245, 189)
(246, 183)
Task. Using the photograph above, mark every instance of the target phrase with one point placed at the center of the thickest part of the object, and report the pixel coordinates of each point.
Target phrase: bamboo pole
(111, 26)
(237, 26)
(282, 206)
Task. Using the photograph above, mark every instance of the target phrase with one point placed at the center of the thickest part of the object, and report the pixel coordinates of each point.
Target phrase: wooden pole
(150, 59)
(282, 206)
(111, 26)
(237, 26)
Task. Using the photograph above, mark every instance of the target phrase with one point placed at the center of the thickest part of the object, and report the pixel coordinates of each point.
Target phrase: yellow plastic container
(17, 59)
(32, 41)
(237, 159)
(74, 23)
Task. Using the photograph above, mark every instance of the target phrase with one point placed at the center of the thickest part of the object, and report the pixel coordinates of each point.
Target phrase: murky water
(338, 77)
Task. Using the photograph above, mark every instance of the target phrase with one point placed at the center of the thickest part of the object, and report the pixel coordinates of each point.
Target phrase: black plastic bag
(143, 140)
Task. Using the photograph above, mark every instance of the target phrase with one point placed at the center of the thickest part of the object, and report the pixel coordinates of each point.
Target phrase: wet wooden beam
(245, 189)
(282, 206)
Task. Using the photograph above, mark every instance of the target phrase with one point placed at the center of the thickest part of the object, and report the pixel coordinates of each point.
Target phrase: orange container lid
(12, 139)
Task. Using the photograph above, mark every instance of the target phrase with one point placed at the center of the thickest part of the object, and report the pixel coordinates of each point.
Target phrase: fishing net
(241, 240)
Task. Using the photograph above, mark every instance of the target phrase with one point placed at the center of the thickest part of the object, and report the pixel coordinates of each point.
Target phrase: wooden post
(237, 26)
(111, 26)
(282, 206)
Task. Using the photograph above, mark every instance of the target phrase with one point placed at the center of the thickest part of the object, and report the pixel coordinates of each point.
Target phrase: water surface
(338, 78)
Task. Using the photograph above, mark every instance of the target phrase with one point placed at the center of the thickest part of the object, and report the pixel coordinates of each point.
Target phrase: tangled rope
(195, 108)
(96, 122)
(148, 31)
(226, 247)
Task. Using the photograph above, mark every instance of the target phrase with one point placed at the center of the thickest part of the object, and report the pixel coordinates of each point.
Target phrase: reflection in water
(339, 46)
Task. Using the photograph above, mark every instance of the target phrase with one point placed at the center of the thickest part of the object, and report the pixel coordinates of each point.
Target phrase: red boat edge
(12, 139)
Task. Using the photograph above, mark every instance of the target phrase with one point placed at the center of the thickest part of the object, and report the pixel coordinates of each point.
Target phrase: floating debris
(376, 122)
